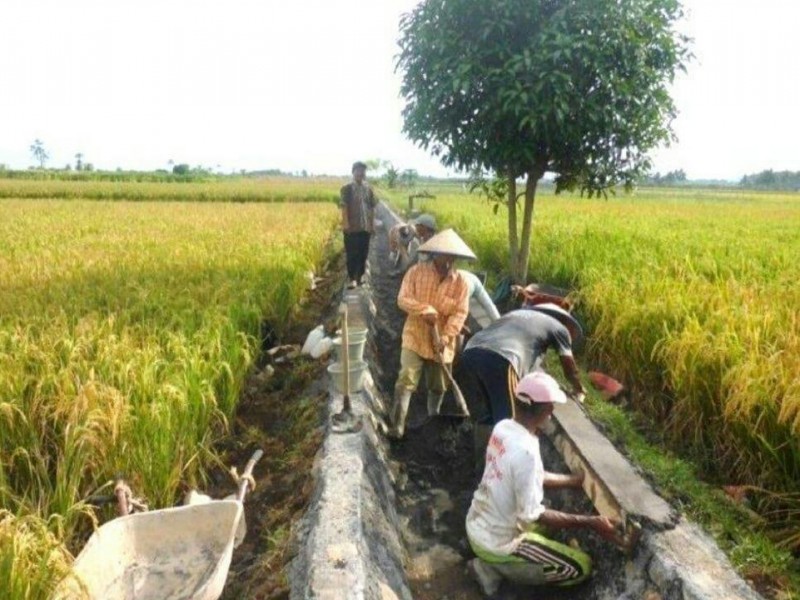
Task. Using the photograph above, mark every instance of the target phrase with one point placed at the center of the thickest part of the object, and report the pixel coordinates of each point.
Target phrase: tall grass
(691, 298)
(125, 333)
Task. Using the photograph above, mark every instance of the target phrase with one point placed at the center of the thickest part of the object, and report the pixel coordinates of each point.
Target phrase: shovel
(345, 421)
(462, 404)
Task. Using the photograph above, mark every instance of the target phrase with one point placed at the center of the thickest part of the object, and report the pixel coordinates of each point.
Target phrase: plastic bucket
(355, 335)
(355, 348)
(357, 370)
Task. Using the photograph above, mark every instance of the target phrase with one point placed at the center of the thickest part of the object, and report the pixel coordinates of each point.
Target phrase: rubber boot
(481, 434)
(402, 399)
(434, 403)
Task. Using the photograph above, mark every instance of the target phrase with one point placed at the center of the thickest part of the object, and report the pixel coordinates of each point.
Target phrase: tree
(519, 88)
(391, 176)
(409, 178)
(181, 169)
(79, 161)
(39, 153)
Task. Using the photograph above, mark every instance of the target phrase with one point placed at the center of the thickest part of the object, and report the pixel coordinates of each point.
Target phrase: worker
(435, 297)
(509, 348)
(400, 236)
(507, 523)
(481, 307)
(425, 227)
(405, 240)
(357, 202)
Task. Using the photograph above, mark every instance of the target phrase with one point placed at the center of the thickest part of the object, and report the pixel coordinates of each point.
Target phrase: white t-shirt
(509, 497)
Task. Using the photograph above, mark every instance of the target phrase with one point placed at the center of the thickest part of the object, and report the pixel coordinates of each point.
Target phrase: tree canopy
(523, 87)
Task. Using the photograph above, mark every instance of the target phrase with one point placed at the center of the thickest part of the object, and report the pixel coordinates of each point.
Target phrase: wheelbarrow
(178, 553)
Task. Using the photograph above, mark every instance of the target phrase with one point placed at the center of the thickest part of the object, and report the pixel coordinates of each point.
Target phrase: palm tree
(39, 153)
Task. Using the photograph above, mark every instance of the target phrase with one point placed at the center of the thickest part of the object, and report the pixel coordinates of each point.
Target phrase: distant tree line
(671, 178)
(772, 180)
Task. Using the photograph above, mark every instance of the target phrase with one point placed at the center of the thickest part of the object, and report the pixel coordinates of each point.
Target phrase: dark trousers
(356, 247)
(488, 382)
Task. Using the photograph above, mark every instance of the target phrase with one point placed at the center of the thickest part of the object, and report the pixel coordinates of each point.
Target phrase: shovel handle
(462, 404)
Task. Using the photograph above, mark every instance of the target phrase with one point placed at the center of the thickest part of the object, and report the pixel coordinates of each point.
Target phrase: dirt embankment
(281, 411)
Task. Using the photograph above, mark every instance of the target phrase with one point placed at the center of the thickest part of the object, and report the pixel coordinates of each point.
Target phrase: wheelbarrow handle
(247, 475)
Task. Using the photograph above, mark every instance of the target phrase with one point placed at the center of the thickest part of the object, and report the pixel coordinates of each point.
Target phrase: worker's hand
(607, 529)
(429, 316)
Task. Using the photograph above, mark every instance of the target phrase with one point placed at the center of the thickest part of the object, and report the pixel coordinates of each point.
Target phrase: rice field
(692, 299)
(126, 330)
(224, 189)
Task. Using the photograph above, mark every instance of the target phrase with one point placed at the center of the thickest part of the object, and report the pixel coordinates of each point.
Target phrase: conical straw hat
(448, 242)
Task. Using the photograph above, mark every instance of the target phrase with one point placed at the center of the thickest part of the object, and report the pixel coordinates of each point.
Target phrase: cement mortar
(387, 522)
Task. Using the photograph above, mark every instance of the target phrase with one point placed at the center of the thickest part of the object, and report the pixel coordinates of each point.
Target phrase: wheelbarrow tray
(170, 554)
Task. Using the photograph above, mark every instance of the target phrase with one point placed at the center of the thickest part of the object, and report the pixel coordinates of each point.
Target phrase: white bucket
(355, 335)
(357, 370)
(355, 349)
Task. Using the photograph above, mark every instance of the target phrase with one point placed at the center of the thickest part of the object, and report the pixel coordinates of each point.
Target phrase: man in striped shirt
(508, 524)
(435, 297)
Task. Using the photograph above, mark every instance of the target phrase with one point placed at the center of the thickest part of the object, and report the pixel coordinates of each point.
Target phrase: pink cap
(539, 387)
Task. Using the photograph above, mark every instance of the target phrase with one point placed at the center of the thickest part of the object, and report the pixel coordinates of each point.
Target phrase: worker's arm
(371, 211)
(343, 204)
(571, 373)
(602, 526)
(482, 296)
(563, 480)
(456, 319)
(406, 298)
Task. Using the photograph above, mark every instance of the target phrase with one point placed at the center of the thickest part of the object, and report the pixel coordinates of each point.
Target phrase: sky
(310, 85)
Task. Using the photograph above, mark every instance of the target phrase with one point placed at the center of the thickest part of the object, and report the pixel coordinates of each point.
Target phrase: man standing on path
(358, 223)
(507, 523)
(434, 295)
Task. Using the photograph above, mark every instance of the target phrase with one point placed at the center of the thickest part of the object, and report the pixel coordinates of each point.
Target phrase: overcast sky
(310, 84)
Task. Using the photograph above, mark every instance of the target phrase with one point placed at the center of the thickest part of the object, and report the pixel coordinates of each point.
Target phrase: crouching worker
(507, 521)
(435, 296)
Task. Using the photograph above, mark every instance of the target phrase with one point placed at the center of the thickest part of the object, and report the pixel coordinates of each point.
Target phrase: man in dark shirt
(497, 357)
(358, 217)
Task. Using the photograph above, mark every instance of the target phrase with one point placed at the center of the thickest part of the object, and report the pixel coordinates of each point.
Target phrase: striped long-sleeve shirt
(423, 290)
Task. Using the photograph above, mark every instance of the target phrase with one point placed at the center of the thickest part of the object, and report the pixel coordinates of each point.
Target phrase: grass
(736, 528)
(126, 330)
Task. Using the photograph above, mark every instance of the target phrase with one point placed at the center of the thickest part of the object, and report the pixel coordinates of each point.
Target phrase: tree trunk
(513, 236)
(519, 270)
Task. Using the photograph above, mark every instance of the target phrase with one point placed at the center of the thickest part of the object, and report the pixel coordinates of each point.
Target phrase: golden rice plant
(126, 330)
(226, 189)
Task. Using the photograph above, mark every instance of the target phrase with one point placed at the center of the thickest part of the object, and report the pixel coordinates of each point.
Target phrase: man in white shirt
(507, 519)
(481, 307)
